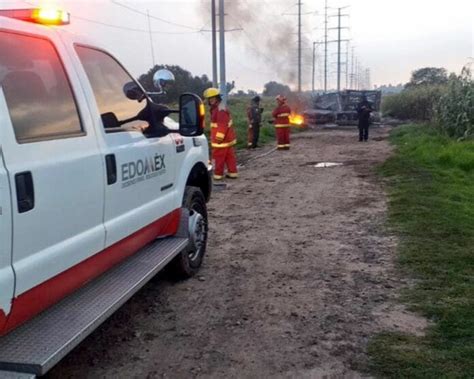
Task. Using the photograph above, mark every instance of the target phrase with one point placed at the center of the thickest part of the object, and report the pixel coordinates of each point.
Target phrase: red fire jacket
(222, 132)
(281, 115)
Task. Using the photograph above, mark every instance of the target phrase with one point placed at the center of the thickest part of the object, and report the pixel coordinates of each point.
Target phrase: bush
(418, 103)
(455, 109)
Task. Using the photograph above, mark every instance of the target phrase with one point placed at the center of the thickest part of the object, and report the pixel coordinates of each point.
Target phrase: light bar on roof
(45, 16)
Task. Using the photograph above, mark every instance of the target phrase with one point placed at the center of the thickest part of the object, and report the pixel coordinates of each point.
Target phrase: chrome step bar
(37, 346)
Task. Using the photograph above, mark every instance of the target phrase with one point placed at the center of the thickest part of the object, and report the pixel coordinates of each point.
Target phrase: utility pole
(352, 69)
(151, 38)
(314, 64)
(299, 46)
(339, 40)
(326, 46)
(214, 44)
(338, 49)
(347, 65)
(223, 82)
(358, 65)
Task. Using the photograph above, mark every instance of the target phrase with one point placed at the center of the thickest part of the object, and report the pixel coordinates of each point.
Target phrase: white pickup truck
(99, 189)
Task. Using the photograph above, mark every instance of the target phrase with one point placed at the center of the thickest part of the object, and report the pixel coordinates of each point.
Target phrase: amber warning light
(45, 16)
(202, 115)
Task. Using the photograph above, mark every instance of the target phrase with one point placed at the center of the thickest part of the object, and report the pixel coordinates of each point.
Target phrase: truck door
(6, 271)
(55, 171)
(140, 196)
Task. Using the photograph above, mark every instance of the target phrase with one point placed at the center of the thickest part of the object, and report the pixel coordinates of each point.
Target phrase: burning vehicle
(341, 107)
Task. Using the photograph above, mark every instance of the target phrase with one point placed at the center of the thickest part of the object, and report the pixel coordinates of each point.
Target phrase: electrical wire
(130, 29)
(121, 27)
(153, 17)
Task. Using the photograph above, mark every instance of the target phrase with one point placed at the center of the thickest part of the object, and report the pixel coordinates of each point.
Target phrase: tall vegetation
(455, 109)
(432, 96)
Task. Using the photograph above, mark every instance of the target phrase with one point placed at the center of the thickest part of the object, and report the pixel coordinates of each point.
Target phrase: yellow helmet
(211, 92)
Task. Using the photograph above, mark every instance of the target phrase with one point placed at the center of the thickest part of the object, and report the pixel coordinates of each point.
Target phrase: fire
(296, 120)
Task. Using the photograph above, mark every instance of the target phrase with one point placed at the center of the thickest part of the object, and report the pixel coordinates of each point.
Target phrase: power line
(153, 17)
(120, 26)
(128, 28)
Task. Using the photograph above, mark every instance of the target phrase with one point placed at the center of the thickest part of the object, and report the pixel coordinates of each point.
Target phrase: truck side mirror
(109, 120)
(191, 115)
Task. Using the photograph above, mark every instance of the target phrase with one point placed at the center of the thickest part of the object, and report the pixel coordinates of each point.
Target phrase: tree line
(185, 81)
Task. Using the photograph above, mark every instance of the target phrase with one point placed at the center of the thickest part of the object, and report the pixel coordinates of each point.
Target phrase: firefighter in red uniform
(223, 137)
(281, 114)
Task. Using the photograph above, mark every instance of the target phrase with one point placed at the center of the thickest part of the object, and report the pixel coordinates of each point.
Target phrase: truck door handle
(111, 166)
(25, 192)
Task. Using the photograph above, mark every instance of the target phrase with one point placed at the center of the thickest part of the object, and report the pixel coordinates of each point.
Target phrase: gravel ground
(299, 275)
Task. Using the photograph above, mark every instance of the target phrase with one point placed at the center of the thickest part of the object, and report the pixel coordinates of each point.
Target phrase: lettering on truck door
(140, 201)
(6, 271)
(55, 170)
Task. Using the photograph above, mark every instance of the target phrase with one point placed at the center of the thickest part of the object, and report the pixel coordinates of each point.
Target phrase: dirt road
(299, 275)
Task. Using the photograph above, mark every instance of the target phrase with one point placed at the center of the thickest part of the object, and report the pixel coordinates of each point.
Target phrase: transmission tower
(339, 29)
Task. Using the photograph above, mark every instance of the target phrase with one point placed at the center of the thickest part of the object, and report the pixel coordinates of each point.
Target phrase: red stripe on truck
(34, 301)
(3, 319)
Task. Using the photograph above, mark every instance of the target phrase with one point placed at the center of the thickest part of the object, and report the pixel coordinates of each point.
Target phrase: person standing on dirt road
(281, 114)
(364, 108)
(254, 117)
(223, 137)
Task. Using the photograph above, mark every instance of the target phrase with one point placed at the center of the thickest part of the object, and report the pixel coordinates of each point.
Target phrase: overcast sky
(390, 37)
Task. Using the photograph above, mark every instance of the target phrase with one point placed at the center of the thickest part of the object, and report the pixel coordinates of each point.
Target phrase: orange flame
(296, 119)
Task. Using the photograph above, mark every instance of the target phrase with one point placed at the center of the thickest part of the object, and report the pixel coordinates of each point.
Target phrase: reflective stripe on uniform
(213, 124)
(232, 175)
(223, 145)
(220, 135)
(282, 125)
(283, 115)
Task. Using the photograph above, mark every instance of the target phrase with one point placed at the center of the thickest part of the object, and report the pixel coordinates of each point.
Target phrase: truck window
(108, 78)
(36, 88)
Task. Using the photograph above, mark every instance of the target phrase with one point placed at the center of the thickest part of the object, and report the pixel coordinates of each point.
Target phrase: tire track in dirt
(299, 275)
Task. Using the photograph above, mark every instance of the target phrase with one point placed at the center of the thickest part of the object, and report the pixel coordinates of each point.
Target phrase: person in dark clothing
(364, 108)
(254, 117)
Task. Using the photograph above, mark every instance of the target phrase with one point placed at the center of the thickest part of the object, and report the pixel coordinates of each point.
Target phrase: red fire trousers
(224, 157)
(283, 137)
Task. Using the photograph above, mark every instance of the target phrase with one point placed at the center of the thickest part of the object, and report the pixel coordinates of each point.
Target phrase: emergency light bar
(46, 16)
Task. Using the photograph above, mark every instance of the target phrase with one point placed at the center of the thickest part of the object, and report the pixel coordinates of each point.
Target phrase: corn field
(454, 112)
(450, 107)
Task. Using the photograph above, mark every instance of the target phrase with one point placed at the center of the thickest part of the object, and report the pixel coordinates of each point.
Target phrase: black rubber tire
(182, 266)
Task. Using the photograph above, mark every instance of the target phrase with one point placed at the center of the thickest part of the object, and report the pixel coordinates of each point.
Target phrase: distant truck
(341, 107)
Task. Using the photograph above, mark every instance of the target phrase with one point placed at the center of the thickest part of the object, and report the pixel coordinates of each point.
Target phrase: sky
(390, 38)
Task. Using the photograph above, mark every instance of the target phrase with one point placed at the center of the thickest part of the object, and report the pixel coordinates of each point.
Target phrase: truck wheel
(188, 262)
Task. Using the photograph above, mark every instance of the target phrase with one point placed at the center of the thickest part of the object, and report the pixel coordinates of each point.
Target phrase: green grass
(431, 208)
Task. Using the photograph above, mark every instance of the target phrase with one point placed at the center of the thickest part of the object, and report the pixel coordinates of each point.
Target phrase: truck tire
(187, 263)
